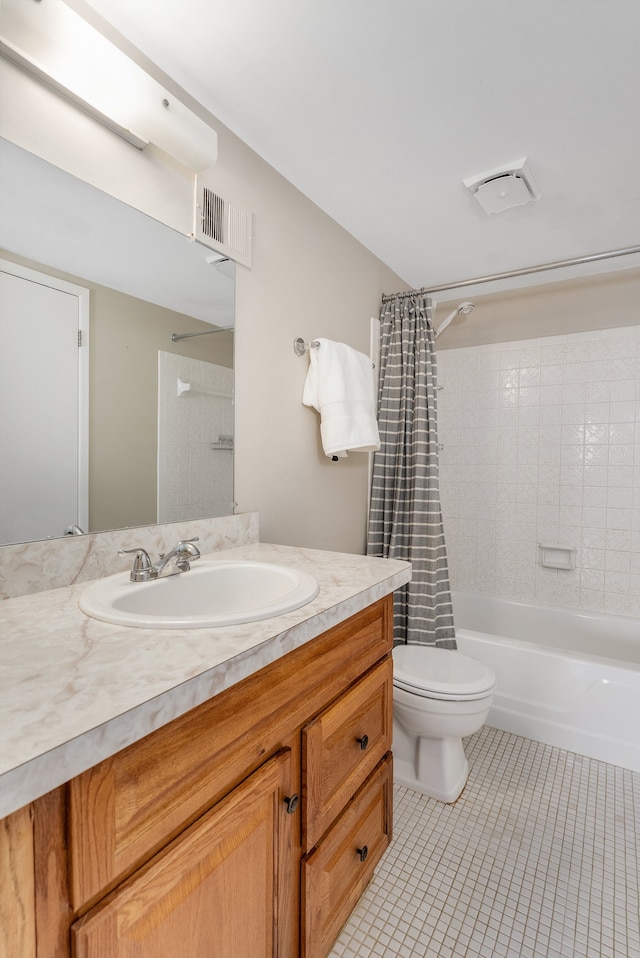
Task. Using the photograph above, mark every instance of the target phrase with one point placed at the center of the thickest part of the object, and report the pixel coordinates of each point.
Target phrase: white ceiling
(377, 110)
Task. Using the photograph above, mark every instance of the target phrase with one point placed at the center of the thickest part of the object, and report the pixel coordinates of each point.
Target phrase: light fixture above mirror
(55, 46)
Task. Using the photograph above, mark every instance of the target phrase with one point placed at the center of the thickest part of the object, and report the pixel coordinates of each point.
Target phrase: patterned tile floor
(538, 858)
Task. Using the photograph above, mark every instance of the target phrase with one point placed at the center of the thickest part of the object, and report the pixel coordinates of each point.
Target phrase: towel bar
(300, 347)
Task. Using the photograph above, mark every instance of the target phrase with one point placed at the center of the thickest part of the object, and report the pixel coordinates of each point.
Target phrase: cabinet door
(214, 892)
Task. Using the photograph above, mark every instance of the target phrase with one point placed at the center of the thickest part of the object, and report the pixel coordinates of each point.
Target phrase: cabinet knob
(363, 742)
(362, 853)
(291, 802)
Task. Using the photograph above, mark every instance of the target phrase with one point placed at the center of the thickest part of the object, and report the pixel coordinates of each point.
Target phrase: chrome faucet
(178, 559)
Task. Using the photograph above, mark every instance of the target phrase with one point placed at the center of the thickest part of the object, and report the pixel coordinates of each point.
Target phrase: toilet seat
(430, 672)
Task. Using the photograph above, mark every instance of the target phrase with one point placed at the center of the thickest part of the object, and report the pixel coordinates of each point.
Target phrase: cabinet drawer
(342, 746)
(336, 873)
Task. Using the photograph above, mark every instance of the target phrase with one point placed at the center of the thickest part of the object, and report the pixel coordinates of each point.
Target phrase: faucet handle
(185, 546)
(142, 570)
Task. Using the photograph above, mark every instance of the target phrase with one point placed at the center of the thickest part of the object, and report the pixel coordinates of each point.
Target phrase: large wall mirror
(153, 402)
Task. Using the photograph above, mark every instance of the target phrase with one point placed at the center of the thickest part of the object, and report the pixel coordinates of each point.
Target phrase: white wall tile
(559, 457)
(188, 426)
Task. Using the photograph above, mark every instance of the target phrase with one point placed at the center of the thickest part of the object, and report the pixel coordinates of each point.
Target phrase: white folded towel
(340, 386)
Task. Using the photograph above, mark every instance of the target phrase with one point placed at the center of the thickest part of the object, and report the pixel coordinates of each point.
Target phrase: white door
(43, 414)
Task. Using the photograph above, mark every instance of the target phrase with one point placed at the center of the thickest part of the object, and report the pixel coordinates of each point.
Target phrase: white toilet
(439, 697)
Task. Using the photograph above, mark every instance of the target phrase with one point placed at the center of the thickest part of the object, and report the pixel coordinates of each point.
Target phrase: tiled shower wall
(195, 439)
(541, 444)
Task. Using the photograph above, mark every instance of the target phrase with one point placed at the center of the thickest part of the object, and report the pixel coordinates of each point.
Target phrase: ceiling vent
(221, 225)
(510, 185)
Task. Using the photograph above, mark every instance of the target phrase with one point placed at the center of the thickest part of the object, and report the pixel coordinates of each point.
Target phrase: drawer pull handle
(292, 803)
(363, 742)
(362, 853)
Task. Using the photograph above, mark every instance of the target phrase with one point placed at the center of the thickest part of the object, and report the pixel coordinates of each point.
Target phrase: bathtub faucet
(178, 559)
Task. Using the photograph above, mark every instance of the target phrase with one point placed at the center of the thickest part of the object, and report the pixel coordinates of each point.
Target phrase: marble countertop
(76, 690)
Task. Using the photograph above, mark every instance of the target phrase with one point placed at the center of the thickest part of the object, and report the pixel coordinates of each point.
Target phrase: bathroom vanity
(239, 812)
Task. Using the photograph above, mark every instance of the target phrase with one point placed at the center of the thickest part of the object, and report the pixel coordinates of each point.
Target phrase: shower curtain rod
(594, 257)
(176, 337)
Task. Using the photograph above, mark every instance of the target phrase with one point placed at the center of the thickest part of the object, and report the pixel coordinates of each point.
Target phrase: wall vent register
(220, 224)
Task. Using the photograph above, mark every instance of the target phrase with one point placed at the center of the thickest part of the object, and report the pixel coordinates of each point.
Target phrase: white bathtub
(567, 678)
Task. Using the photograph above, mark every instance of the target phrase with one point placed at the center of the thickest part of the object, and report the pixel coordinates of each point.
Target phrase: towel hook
(300, 347)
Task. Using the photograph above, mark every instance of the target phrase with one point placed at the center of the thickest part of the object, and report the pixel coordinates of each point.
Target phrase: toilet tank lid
(441, 670)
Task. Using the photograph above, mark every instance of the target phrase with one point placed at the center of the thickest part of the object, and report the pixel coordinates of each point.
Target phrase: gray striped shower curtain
(405, 517)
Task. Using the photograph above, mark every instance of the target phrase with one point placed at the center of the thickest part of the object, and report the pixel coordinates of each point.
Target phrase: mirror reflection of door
(43, 405)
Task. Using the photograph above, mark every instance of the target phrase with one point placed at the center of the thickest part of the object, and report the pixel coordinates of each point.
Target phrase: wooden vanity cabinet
(246, 828)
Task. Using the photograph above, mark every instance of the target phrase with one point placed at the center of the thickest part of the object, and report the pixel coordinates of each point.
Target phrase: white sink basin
(212, 593)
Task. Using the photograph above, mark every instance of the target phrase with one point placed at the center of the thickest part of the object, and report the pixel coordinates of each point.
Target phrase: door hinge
(79, 337)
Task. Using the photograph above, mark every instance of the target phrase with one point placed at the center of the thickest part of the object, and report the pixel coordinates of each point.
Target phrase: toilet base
(439, 768)
(403, 774)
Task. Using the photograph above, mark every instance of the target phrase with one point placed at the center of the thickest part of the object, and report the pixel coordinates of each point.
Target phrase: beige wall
(553, 308)
(308, 278)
